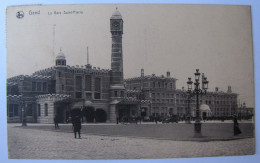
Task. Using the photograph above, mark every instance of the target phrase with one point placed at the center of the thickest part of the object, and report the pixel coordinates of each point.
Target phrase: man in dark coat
(76, 122)
(56, 122)
(236, 126)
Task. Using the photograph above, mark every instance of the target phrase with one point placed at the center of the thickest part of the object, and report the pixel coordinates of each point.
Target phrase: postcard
(129, 81)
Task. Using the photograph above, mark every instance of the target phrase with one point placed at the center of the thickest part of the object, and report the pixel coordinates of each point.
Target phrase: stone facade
(166, 99)
(102, 95)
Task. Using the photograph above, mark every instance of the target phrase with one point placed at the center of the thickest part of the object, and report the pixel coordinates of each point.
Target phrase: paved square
(32, 143)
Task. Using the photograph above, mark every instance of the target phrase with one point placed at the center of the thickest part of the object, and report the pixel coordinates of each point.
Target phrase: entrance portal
(124, 113)
(89, 113)
(60, 114)
(204, 116)
(101, 115)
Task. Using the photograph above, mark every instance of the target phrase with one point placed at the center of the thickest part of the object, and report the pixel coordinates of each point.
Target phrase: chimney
(142, 72)
(216, 89)
(168, 74)
(229, 89)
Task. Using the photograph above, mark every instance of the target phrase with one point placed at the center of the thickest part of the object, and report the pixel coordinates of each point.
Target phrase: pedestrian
(56, 122)
(140, 119)
(76, 122)
(117, 120)
(237, 130)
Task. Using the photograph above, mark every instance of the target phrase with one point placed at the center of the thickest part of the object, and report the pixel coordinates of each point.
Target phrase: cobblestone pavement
(172, 131)
(30, 143)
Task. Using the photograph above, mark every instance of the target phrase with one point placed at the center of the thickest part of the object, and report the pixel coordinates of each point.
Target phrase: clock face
(116, 25)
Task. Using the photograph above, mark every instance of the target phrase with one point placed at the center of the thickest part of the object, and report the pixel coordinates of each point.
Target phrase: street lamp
(197, 91)
(23, 105)
(187, 94)
(24, 123)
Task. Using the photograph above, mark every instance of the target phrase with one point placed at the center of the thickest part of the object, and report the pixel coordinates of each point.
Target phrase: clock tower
(116, 29)
(117, 89)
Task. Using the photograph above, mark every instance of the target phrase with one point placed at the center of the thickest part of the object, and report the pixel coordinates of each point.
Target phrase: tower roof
(116, 15)
(61, 55)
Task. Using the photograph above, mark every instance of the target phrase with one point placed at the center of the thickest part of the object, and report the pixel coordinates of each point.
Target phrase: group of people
(76, 124)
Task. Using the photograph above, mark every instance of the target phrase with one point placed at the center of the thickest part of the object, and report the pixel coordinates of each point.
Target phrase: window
(133, 112)
(88, 96)
(78, 94)
(39, 110)
(97, 96)
(97, 84)
(59, 74)
(16, 106)
(46, 109)
(122, 94)
(12, 110)
(78, 83)
(29, 110)
(62, 87)
(88, 83)
(44, 86)
(33, 86)
(115, 93)
(39, 86)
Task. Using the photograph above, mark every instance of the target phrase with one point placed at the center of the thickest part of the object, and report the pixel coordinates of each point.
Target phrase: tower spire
(87, 56)
(53, 41)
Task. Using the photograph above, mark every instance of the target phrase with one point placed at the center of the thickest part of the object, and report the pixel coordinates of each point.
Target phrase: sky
(216, 39)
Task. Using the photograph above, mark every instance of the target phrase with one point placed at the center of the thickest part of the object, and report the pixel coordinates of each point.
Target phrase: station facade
(103, 95)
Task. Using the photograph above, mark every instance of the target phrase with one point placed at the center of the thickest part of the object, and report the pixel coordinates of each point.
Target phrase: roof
(13, 80)
(82, 69)
(204, 107)
(150, 77)
(61, 56)
(75, 69)
(116, 15)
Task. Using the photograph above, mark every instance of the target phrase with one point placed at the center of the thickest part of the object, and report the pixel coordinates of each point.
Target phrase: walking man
(56, 122)
(76, 126)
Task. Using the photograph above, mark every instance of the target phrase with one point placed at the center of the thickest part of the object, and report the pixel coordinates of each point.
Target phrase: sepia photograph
(129, 81)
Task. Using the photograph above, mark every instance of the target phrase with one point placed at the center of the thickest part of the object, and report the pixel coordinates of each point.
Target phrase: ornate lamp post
(24, 122)
(187, 94)
(197, 91)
